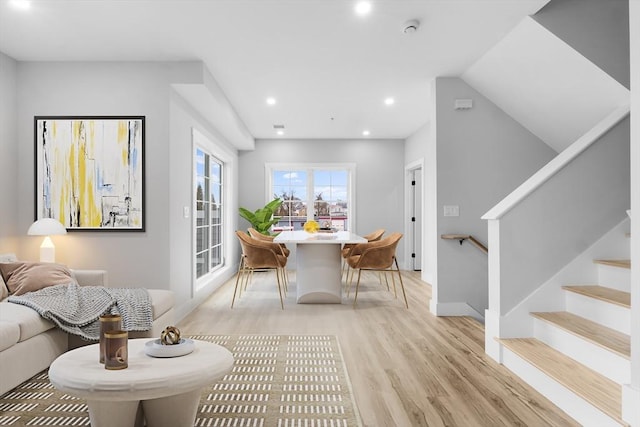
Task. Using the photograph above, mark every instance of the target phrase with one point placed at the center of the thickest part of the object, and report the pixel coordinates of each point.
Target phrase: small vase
(108, 322)
(116, 350)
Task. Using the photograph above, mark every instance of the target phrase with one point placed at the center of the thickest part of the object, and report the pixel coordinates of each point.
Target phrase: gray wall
(160, 256)
(131, 258)
(598, 29)
(635, 207)
(379, 176)
(183, 119)
(9, 231)
(564, 216)
(482, 155)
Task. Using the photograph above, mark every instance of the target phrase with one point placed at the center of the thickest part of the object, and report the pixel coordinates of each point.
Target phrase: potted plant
(263, 218)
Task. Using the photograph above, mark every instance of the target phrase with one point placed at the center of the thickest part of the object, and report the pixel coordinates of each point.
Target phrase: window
(320, 192)
(209, 212)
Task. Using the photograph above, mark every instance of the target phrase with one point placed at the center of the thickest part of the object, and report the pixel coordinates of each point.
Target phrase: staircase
(579, 358)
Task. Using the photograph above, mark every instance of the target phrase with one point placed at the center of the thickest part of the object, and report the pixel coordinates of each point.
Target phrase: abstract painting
(90, 171)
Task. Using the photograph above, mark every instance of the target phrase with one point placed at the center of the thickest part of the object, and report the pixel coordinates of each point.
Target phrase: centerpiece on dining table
(313, 226)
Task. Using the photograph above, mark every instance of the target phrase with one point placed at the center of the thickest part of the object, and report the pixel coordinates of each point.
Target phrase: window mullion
(311, 208)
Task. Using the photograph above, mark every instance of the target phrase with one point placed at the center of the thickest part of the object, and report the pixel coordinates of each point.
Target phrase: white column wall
(9, 230)
(631, 393)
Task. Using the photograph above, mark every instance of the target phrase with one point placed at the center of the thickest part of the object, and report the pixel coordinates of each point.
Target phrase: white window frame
(310, 167)
(219, 153)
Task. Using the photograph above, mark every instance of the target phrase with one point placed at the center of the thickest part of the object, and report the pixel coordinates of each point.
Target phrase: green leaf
(262, 219)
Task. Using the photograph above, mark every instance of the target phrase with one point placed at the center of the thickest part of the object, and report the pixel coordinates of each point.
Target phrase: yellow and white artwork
(89, 172)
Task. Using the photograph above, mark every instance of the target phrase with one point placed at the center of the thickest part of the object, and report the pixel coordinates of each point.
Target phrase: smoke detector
(411, 26)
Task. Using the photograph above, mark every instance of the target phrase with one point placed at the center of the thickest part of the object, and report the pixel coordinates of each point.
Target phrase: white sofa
(29, 343)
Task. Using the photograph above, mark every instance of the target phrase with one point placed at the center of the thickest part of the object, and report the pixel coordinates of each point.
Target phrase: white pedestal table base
(318, 273)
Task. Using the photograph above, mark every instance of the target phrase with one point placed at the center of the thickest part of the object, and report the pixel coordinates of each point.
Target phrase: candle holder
(108, 322)
(116, 350)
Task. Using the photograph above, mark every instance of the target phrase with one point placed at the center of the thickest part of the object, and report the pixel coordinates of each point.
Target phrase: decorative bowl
(155, 348)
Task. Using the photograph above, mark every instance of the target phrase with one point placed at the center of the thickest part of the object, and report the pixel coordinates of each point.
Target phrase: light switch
(185, 211)
(451, 210)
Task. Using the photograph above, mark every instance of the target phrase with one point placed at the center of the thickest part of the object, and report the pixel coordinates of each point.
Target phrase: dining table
(318, 263)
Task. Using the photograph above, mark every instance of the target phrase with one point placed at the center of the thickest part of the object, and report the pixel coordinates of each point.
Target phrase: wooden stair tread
(602, 293)
(607, 338)
(596, 389)
(621, 263)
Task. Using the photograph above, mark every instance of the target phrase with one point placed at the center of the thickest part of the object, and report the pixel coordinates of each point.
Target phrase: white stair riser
(610, 315)
(614, 277)
(605, 362)
(576, 407)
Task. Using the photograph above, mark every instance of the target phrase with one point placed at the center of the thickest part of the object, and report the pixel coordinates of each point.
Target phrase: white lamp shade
(46, 227)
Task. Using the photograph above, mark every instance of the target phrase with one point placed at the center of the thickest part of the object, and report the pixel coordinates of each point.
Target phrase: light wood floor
(407, 367)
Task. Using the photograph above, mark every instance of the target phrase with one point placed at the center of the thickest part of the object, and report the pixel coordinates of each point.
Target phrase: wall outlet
(451, 210)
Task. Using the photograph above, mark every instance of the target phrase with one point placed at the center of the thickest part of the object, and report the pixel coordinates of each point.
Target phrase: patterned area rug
(277, 380)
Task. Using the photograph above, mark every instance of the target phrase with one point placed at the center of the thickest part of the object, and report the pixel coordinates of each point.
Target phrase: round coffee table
(167, 389)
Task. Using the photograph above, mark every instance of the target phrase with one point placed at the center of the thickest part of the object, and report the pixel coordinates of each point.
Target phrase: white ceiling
(329, 69)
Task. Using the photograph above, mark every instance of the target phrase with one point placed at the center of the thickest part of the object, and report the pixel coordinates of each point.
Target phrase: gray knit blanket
(77, 309)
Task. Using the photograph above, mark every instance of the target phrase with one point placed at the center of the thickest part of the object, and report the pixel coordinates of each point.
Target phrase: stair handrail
(557, 163)
(462, 237)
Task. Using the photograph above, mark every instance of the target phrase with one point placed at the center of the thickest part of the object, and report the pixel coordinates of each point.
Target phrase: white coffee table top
(79, 373)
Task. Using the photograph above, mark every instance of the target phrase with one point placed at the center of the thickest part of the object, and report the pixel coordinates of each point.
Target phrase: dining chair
(258, 235)
(283, 248)
(379, 255)
(347, 247)
(259, 255)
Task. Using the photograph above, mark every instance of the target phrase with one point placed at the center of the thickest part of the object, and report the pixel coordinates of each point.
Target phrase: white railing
(553, 217)
(558, 162)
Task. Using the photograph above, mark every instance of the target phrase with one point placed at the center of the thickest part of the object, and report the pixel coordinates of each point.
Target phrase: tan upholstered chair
(258, 235)
(378, 255)
(259, 255)
(346, 249)
(283, 248)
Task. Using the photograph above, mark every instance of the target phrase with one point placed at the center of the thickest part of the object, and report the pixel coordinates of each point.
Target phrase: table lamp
(47, 227)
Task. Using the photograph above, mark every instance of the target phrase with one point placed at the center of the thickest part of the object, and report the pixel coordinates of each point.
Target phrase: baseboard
(455, 309)
(630, 407)
(183, 309)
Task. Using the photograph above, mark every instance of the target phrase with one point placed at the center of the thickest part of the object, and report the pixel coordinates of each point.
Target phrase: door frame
(408, 204)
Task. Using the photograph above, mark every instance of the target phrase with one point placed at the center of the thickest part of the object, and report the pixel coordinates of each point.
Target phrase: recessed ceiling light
(365, 133)
(363, 8)
(271, 101)
(20, 4)
(389, 101)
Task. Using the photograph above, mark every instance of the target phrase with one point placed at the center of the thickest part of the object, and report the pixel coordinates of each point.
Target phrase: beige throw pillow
(4, 292)
(23, 277)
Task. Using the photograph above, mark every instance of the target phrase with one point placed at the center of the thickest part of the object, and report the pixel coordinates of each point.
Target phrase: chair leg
(248, 279)
(350, 279)
(285, 276)
(355, 298)
(278, 273)
(240, 273)
(386, 279)
(345, 270)
(393, 282)
(404, 294)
